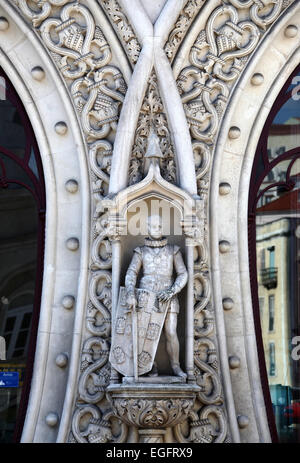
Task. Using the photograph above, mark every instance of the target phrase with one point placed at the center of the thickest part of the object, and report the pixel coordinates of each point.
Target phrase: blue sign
(9, 379)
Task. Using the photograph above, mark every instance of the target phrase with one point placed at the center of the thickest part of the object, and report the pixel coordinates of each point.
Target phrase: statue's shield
(150, 321)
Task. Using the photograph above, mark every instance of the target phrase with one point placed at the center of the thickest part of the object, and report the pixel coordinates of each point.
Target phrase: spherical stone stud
(257, 79)
(61, 128)
(68, 302)
(38, 73)
(72, 186)
(234, 362)
(243, 421)
(4, 24)
(224, 188)
(291, 31)
(224, 246)
(52, 419)
(234, 132)
(228, 303)
(73, 244)
(62, 360)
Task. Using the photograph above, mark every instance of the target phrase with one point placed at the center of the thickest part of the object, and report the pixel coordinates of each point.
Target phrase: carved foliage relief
(152, 117)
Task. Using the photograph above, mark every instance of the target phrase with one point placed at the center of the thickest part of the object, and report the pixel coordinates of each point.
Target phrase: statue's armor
(158, 260)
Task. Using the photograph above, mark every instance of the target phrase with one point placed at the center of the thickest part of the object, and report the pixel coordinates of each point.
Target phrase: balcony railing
(269, 277)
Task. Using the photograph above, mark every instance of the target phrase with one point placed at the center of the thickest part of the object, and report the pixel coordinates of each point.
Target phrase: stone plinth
(152, 407)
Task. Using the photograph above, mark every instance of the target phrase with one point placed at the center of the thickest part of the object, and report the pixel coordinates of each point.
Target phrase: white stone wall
(214, 142)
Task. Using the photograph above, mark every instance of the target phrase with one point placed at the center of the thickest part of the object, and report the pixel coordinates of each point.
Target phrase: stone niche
(137, 215)
(154, 404)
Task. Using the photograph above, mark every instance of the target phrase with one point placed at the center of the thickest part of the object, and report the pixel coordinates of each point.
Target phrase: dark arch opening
(22, 218)
(274, 256)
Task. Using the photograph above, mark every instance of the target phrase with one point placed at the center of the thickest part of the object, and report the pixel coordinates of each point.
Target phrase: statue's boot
(153, 371)
(178, 371)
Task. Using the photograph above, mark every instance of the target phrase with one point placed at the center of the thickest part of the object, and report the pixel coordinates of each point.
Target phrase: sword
(135, 343)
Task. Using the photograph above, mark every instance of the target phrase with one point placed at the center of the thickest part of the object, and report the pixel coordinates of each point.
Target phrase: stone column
(116, 271)
(189, 328)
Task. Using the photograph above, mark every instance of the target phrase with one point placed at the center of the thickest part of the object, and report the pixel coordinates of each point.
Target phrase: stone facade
(95, 78)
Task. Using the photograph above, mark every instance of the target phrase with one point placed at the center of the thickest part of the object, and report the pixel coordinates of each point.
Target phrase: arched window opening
(274, 254)
(22, 217)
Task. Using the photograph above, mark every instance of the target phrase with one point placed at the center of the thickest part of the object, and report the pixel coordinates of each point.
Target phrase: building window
(273, 219)
(271, 312)
(22, 216)
(272, 365)
(262, 259)
(271, 256)
(261, 307)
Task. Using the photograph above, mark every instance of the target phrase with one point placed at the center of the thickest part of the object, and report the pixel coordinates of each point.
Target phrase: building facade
(109, 109)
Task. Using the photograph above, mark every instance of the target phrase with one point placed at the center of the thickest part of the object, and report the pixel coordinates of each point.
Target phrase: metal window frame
(254, 196)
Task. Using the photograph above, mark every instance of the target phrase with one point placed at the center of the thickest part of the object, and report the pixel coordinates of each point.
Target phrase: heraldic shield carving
(137, 333)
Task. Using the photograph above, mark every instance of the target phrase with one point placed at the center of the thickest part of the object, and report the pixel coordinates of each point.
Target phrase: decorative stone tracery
(152, 118)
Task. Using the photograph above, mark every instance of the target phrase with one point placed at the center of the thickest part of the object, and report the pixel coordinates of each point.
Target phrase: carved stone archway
(84, 95)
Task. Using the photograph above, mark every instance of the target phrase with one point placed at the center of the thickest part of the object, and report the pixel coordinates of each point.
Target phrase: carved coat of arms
(150, 320)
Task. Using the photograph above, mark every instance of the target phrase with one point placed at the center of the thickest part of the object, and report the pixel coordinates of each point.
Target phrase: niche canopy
(153, 186)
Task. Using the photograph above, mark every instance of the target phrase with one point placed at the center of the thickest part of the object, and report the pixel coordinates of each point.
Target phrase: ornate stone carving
(77, 45)
(38, 11)
(152, 117)
(94, 378)
(91, 426)
(151, 413)
(205, 426)
(97, 98)
(123, 29)
(217, 58)
(160, 407)
(82, 55)
(182, 24)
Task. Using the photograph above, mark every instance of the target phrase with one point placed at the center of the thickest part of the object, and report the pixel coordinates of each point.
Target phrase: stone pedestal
(152, 408)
